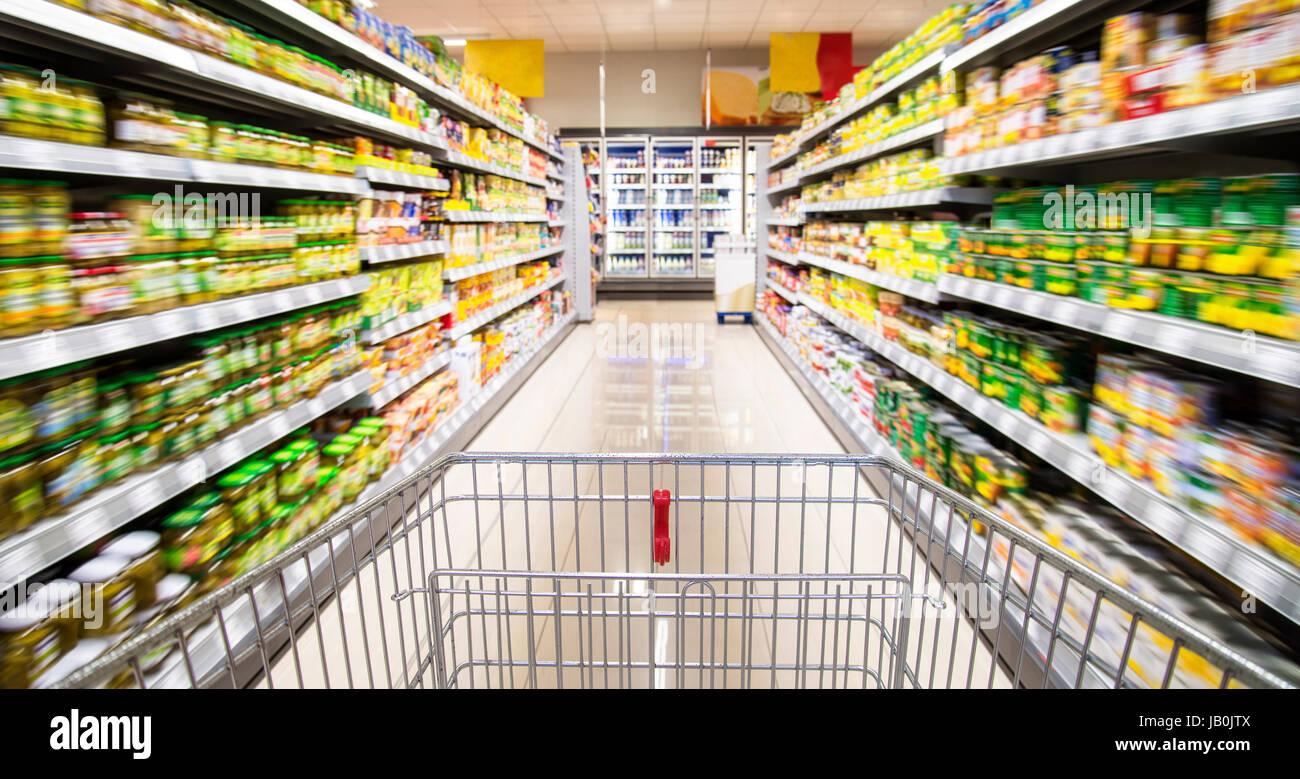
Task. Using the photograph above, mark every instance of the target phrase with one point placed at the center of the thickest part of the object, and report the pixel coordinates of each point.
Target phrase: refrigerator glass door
(672, 215)
(626, 218)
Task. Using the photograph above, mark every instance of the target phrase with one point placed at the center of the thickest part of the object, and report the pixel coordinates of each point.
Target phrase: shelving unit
(626, 202)
(792, 297)
(1247, 134)
(466, 271)
(506, 306)
(86, 46)
(1015, 648)
(51, 540)
(28, 354)
(207, 647)
(68, 158)
(393, 390)
(406, 322)
(921, 290)
(1261, 356)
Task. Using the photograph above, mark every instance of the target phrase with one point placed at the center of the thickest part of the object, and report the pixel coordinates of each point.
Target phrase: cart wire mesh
(536, 571)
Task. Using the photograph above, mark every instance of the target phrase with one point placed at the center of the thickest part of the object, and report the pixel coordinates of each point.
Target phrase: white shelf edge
(406, 322)
(919, 198)
(402, 251)
(921, 290)
(775, 286)
(465, 271)
(393, 390)
(466, 217)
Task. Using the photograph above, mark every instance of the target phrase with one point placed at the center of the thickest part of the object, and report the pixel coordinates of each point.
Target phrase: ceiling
(658, 25)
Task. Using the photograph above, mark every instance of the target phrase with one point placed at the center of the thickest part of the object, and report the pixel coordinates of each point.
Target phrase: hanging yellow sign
(519, 66)
(793, 59)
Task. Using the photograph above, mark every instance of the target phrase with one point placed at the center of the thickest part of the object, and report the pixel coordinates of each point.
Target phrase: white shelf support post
(576, 238)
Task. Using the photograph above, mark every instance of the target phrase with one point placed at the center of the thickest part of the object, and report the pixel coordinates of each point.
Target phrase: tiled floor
(705, 390)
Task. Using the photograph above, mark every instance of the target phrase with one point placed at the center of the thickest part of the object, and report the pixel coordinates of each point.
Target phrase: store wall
(573, 86)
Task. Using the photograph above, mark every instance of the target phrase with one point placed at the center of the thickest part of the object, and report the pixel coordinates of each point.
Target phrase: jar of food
(148, 233)
(183, 386)
(154, 278)
(224, 146)
(56, 305)
(295, 465)
(264, 485)
(192, 537)
(147, 440)
(238, 403)
(148, 401)
(245, 344)
(115, 409)
(146, 568)
(20, 297)
(22, 492)
(214, 353)
(260, 398)
(174, 591)
(239, 493)
(113, 591)
(180, 436)
(102, 290)
(221, 570)
(117, 457)
(63, 401)
(193, 282)
(330, 487)
(194, 135)
(50, 206)
(17, 219)
(30, 643)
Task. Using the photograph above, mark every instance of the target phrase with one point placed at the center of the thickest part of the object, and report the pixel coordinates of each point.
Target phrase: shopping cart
(645, 571)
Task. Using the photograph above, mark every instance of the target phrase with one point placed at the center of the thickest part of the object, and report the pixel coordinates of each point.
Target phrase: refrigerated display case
(626, 218)
(673, 216)
(663, 201)
(721, 203)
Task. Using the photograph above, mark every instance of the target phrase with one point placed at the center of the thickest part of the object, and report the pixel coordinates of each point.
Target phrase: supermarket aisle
(714, 389)
(724, 393)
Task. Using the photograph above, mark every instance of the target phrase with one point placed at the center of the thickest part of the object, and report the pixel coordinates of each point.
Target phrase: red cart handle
(662, 543)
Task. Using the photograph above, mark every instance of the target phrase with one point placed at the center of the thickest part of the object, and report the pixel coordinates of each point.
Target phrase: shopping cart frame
(913, 503)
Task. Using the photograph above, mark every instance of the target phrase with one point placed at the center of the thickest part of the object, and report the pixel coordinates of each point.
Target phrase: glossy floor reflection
(646, 377)
(710, 389)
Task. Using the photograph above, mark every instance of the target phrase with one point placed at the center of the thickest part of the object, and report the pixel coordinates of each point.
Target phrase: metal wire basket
(644, 571)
